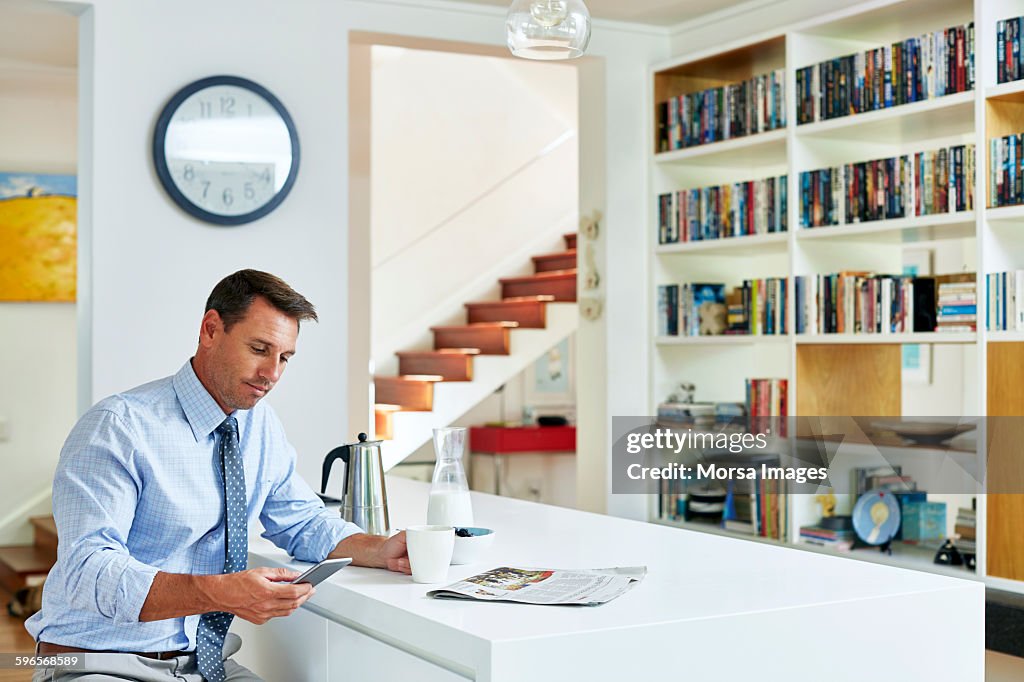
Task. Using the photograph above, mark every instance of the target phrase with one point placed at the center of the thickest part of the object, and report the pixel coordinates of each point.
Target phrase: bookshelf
(972, 372)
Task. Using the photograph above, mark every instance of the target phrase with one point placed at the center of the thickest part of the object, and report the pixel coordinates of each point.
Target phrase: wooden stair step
(561, 284)
(44, 530)
(413, 393)
(528, 311)
(490, 338)
(570, 240)
(384, 422)
(19, 563)
(454, 364)
(547, 262)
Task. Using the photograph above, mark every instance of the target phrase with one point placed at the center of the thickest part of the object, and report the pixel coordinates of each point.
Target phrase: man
(154, 494)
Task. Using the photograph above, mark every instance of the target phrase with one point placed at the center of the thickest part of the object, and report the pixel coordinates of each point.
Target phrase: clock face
(226, 150)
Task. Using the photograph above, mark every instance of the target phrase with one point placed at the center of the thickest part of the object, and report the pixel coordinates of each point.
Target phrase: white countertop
(692, 576)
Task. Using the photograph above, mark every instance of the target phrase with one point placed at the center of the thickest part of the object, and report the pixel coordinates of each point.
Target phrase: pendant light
(548, 29)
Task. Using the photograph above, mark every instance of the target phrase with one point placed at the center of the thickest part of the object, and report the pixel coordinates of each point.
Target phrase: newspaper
(581, 587)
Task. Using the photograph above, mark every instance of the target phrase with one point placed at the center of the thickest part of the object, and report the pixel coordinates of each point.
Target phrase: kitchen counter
(711, 607)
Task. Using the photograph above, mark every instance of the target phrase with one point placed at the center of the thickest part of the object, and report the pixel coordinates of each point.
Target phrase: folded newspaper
(581, 587)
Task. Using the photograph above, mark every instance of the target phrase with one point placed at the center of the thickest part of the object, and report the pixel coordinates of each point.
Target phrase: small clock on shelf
(226, 150)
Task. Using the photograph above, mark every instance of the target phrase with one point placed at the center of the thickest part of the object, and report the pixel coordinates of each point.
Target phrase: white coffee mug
(430, 552)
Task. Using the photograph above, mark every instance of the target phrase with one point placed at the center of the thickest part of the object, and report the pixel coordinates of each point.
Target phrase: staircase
(24, 565)
(469, 361)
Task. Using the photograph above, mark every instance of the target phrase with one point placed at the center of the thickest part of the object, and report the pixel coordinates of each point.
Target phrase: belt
(47, 648)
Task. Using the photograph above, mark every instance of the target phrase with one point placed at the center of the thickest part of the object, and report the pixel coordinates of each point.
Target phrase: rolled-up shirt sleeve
(95, 495)
(296, 520)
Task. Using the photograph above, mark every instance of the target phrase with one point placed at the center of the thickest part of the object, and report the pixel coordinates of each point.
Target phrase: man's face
(243, 364)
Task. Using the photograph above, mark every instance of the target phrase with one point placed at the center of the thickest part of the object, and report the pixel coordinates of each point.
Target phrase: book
(915, 69)
(748, 107)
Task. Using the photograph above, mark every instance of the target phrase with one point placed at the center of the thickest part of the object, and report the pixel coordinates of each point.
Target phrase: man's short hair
(234, 294)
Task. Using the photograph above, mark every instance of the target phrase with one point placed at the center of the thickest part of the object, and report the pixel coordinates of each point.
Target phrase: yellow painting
(38, 237)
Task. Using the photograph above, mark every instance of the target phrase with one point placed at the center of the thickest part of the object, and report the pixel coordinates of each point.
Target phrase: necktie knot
(228, 427)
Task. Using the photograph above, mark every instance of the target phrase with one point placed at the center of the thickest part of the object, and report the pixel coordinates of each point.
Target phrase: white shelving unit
(982, 240)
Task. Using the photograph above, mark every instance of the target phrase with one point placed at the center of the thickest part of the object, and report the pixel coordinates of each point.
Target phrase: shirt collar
(201, 410)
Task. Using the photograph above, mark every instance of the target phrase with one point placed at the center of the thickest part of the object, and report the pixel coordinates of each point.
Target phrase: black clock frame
(160, 159)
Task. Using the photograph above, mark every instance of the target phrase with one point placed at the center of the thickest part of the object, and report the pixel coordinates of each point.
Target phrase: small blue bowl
(470, 549)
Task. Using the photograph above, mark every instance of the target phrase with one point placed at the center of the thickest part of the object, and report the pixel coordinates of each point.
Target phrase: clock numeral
(250, 192)
(205, 109)
(206, 187)
(189, 173)
(227, 196)
(227, 106)
(265, 175)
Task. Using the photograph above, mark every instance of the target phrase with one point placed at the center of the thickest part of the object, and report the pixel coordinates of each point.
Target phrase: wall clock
(226, 150)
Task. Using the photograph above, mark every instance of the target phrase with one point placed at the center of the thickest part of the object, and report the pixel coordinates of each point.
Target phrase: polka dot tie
(213, 627)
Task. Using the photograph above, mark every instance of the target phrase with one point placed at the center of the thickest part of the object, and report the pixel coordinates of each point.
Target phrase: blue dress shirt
(138, 490)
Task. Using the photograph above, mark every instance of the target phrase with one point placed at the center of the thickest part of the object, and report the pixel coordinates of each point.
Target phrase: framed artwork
(917, 357)
(550, 381)
(38, 230)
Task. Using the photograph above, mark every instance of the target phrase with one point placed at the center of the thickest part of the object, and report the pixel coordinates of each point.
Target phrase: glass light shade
(548, 29)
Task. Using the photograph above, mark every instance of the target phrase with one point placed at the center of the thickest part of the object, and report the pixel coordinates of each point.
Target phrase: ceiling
(655, 12)
(43, 36)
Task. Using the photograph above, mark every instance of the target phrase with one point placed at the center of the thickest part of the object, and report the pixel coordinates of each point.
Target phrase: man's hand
(375, 551)
(259, 594)
(394, 553)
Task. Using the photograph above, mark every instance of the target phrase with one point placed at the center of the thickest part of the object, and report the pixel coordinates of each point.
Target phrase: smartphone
(322, 571)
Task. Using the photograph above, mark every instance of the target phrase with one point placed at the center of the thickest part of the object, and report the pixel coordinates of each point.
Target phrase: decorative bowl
(470, 549)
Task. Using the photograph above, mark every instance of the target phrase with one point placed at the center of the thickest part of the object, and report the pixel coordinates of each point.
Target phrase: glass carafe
(449, 493)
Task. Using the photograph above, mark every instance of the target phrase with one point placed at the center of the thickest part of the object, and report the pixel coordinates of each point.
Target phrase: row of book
(839, 539)
(821, 193)
(767, 398)
(763, 512)
(757, 507)
(757, 307)
(966, 525)
(1005, 304)
(957, 309)
(925, 183)
(742, 208)
(1006, 170)
(753, 106)
(865, 303)
(915, 69)
(1009, 56)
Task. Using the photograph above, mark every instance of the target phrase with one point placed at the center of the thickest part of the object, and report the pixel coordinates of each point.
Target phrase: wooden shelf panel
(835, 381)
(723, 68)
(1005, 512)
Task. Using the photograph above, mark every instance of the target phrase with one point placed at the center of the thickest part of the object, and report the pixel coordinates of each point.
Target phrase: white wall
(474, 168)
(549, 478)
(149, 267)
(38, 133)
